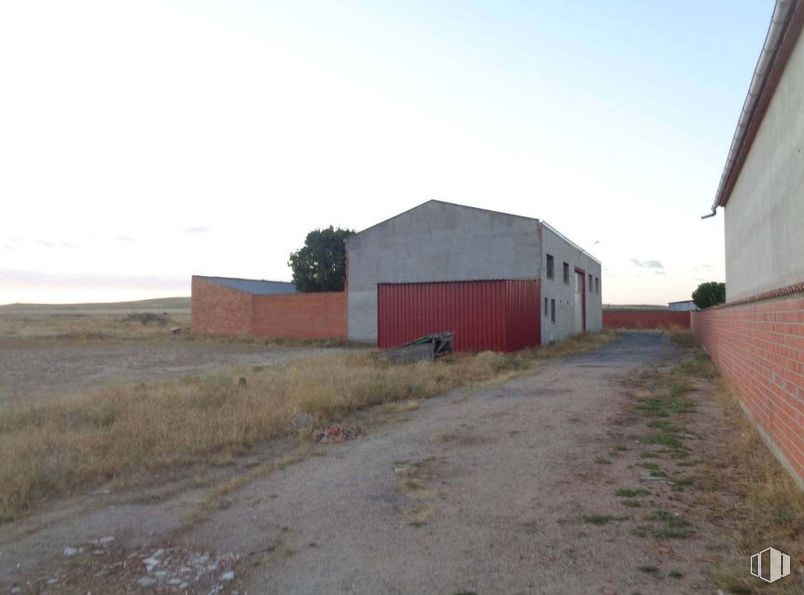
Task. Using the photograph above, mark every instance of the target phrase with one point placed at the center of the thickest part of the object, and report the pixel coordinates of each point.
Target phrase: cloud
(123, 239)
(198, 229)
(648, 264)
(40, 242)
(9, 248)
(49, 244)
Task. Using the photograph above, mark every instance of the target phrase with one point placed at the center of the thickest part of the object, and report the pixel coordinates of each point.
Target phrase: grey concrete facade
(765, 212)
(567, 321)
(439, 241)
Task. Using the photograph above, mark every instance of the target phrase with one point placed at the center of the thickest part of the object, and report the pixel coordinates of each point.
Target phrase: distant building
(756, 338)
(497, 281)
(682, 306)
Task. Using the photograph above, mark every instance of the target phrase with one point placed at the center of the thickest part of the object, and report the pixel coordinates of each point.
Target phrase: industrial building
(497, 281)
(682, 306)
(756, 338)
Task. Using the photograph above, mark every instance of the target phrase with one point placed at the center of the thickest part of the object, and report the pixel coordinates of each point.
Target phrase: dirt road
(481, 491)
(504, 488)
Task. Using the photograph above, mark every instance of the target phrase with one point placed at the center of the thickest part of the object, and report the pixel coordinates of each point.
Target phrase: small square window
(545, 306)
(552, 311)
(550, 267)
(566, 273)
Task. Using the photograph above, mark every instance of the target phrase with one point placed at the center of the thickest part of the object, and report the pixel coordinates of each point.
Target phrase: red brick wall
(300, 315)
(645, 319)
(219, 310)
(758, 347)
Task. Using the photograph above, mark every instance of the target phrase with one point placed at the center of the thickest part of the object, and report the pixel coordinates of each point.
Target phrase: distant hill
(173, 305)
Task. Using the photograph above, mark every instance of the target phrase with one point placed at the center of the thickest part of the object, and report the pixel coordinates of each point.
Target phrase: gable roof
(783, 33)
(441, 202)
(480, 210)
(251, 286)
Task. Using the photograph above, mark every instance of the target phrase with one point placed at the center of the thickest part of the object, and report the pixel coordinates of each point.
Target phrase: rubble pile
(166, 569)
(337, 433)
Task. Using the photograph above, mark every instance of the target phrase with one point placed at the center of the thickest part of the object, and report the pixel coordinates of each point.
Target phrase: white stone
(146, 582)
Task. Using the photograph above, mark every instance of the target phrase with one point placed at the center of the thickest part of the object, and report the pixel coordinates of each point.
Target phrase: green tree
(708, 294)
(320, 265)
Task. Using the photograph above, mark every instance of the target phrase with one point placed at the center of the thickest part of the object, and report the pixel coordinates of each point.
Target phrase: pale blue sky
(143, 142)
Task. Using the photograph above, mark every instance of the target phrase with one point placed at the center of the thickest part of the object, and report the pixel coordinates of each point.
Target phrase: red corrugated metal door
(498, 315)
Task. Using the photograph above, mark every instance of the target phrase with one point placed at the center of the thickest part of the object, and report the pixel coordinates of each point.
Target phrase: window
(597, 285)
(566, 273)
(545, 306)
(590, 283)
(553, 311)
(550, 267)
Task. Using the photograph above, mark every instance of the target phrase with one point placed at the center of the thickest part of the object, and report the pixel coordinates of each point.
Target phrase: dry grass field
(122, 320)
(122, 432)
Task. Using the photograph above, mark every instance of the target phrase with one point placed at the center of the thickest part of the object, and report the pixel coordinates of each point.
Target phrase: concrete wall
(436, 242)
(646, 319)
(758, 347)
(764, 215)
(563, 251)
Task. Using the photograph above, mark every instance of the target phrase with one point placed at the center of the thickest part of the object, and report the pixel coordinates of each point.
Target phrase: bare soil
(36, 369)
(508, 487)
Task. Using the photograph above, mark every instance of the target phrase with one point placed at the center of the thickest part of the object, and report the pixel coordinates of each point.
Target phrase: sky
(143, 142)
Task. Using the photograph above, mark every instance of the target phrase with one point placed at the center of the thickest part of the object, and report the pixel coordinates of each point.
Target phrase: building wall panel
(496, 315)
(758, 347)
(764, 213)
(563, 251)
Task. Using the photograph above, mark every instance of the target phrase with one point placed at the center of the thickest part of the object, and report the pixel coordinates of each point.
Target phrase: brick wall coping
(767, 295)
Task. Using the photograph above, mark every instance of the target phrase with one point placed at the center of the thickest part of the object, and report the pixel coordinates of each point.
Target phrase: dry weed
(123, 434)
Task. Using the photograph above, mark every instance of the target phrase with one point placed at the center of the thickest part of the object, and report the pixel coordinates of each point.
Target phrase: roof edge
(570, 242)
(239, 279)
(784, 30)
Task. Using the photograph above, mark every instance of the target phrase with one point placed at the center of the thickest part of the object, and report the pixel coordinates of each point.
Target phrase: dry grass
(86, 326)
(744, 483)
(124, 433)
(681, 336)
(575, 345)
(764, 502)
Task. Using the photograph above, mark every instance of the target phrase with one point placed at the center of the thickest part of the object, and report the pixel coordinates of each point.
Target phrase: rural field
(135, 457)
(50, 352)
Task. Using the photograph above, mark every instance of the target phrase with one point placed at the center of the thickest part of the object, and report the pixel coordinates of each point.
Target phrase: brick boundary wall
(758, 348)
(218, 310)
(299, 315)
(645, 319)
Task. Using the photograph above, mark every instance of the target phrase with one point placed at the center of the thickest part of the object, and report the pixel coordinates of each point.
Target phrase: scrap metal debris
(426, 348)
